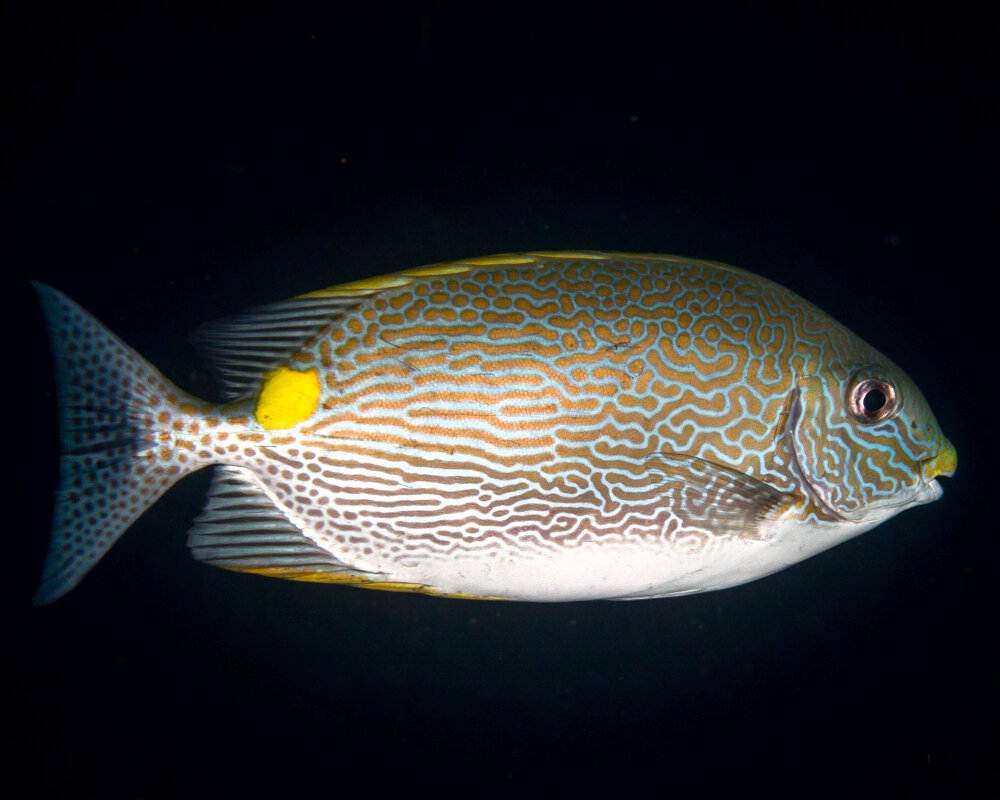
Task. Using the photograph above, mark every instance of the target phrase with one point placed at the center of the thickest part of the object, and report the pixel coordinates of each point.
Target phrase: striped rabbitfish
(538, 426)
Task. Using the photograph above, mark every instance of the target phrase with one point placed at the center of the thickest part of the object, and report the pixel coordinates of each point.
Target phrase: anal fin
(240, 528)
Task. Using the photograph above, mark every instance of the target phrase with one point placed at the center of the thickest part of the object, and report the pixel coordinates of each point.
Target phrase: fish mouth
(928, 490)
(941, 465)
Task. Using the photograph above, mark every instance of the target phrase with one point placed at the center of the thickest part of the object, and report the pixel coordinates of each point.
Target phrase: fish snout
(942, 464)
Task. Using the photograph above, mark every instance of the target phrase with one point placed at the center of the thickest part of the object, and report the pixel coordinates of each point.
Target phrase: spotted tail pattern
(125, 436)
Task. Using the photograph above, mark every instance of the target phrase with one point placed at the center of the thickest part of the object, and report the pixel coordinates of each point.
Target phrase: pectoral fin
(719, 499)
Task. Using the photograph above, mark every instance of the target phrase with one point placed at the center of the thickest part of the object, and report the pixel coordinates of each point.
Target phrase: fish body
(538, 426)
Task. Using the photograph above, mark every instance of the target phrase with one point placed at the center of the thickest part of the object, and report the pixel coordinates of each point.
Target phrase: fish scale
(540, 426)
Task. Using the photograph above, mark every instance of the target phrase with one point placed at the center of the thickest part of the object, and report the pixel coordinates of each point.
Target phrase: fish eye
(872, 400)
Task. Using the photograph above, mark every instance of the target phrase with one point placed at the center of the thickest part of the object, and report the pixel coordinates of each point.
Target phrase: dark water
(166, 169)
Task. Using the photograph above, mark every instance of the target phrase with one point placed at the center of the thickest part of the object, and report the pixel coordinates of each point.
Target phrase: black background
(169, 164)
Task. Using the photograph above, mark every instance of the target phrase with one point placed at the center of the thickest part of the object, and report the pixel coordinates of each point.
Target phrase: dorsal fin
(245, 346)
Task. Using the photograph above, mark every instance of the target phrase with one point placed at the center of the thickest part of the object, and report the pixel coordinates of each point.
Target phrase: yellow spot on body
(287, 398)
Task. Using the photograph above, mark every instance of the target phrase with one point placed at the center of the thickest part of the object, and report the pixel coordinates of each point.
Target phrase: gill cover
(861, 454)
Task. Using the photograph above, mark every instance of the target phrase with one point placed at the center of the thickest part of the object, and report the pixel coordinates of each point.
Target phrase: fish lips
(942, 464)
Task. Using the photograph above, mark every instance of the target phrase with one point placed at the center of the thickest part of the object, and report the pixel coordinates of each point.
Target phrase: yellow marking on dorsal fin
(506, 259)
(567, 255)
(435, 270)
(394, 280)
(287, 397)
(363, 287)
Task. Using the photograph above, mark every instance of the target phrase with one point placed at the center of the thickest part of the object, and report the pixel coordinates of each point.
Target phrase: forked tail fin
(117, 416)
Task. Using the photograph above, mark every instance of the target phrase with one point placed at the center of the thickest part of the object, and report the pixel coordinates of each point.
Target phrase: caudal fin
(115, 415)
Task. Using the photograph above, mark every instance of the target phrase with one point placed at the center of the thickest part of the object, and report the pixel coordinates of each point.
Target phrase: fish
(538, 426)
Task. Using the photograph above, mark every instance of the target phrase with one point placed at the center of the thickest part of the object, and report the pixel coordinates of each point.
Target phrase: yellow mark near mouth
(944, 463)
(287, 398)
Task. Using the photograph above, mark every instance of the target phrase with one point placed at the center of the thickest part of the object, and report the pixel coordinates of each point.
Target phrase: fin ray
(107, 400)
(243, 347)
(718, 498)
(240, 528)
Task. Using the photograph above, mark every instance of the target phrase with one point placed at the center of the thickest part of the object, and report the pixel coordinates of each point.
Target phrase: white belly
(624, 570)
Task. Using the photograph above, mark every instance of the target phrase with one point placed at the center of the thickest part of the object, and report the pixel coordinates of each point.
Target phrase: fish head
(866, 441)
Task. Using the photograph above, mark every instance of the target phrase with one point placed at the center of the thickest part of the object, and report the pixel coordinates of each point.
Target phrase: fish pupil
(874, 401)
